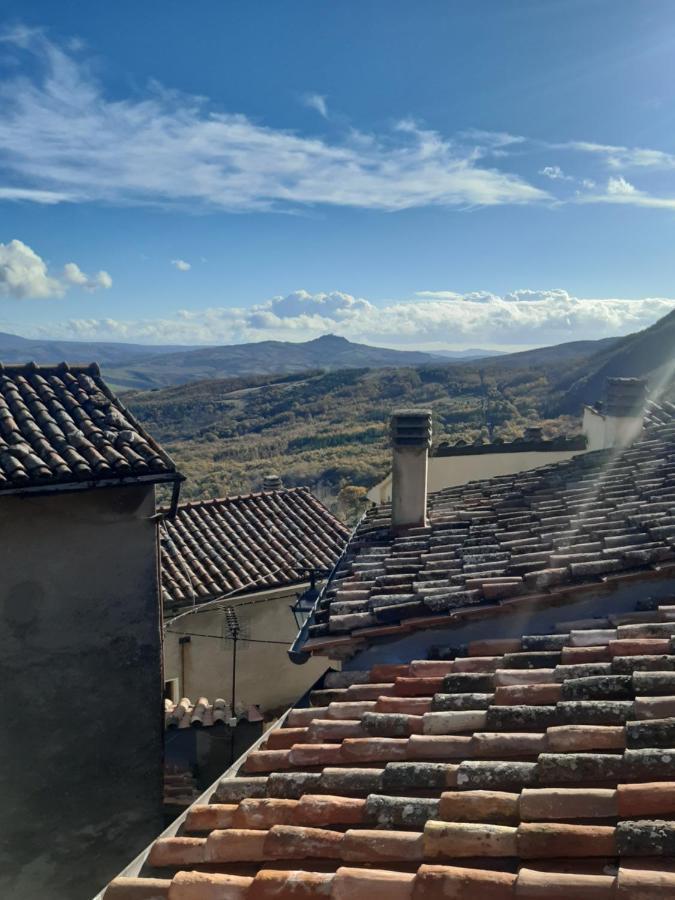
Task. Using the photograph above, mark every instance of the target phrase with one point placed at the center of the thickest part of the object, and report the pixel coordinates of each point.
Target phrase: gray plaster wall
(598, 602)
(81, 678)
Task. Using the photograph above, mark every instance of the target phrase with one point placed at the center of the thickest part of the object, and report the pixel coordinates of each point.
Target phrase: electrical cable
(220, 637)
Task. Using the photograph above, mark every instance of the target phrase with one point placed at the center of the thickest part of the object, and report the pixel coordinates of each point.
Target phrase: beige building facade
(451, 471)
(253, 554)
(198, 653)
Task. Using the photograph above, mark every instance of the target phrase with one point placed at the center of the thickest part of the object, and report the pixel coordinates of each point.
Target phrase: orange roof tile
(569, 795)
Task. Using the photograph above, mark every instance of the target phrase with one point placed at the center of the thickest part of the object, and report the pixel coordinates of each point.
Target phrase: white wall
(451, 471)
(603, 432)
(265, 675)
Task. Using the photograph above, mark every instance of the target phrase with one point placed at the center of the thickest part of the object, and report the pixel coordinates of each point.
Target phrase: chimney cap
(533, 433)
(272, 482)
(411, 427)
(625, 396)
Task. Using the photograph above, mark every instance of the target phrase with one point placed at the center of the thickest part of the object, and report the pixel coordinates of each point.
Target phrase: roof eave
(92, 484)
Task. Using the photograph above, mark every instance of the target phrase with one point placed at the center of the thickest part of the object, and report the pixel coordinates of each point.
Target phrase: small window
(171, 690)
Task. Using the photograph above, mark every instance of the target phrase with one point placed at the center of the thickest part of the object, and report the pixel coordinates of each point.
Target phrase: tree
(351, 501)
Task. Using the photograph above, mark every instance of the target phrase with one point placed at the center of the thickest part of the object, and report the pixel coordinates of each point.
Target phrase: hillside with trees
(329, 429)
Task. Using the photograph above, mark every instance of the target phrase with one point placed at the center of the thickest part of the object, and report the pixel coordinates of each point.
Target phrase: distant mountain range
(15, 349)
(261, 358)
(582, 366)
(327, 428)
(150, 366)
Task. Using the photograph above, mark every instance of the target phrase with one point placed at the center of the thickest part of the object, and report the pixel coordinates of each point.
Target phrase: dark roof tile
(248, 543)
(62, 428)
(598, 516)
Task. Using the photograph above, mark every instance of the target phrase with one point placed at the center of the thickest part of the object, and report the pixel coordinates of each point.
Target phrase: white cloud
(62, 139)
(49, 198)
(555, 173)
(317, 102)
(181, 265)
(621, 191)
(521, 318)
(620, 186)
(25, 275)
(74, 275)
(617, 157)
(62, 136)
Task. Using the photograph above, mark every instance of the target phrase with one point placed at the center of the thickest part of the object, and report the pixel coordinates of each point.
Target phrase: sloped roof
(60, 426)
(529, 768)
(247, 543)
(597, 516)
(525, 444)
(201, 713)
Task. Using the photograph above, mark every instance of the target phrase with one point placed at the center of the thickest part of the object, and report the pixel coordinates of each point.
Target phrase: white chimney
(411, 439)
(618, 420)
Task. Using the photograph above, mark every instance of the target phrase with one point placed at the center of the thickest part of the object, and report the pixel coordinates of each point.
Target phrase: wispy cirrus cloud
(430, 319)
(619, 190)
(618, 157)
(61, 137)
(316, 102)
(64, 140)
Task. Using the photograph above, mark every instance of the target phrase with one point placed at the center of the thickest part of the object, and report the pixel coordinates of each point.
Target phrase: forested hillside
(648, 353)
(329, 429)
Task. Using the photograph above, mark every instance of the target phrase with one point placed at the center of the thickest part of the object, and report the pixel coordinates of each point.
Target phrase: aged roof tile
(576, 523)
(62, 428)
(247, 543)
(572, 799)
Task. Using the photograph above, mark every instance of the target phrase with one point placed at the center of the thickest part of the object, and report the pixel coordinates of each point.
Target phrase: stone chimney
(272, 482)
(411, 439)
(618, 420)
(534, 433)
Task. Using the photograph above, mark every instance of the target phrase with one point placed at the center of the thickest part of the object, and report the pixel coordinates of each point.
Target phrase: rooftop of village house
(531, 441)
(490, 545)
(516, 769)
(247, 543)
(61, 428)
(508, 768)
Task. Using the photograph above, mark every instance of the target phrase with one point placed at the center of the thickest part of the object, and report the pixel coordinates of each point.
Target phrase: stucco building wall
(265, 675)
(80, 669)
(450, 471)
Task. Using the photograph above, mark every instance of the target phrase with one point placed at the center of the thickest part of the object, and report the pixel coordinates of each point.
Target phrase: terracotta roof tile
(572, 799)
(249, 542)
(61, 427)
(201, 713)
(512, 540)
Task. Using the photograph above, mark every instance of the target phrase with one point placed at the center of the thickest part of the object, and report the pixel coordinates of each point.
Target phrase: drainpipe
(182, 641)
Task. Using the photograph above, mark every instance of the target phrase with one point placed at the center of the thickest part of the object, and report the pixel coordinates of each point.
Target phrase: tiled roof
(525, 444)
(200, 714)
(250, 542)
(598, 516)
(180, 787)
(61, 426)
(535, 768)
(658, 412)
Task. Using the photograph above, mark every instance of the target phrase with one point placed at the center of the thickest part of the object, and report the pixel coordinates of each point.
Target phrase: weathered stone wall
(80, 669)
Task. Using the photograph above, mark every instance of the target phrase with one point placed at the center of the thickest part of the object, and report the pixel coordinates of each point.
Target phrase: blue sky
(432, 174)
